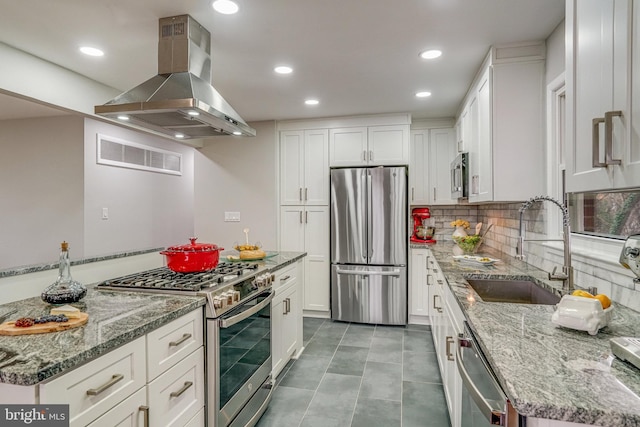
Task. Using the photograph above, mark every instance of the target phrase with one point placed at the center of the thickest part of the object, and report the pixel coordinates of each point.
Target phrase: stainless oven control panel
(627, 348)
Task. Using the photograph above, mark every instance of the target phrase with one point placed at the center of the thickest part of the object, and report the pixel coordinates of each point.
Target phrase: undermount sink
(513, 291)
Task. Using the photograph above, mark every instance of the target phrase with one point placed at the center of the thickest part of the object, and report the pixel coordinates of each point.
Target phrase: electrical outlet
(105, 213)
(232, 217)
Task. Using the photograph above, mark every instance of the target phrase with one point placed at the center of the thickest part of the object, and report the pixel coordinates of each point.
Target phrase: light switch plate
(232, 217)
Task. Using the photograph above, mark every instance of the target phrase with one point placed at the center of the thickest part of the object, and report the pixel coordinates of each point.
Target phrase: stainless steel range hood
(180, 101)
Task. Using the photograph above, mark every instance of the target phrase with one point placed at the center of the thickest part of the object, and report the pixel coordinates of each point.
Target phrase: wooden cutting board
(9, 328)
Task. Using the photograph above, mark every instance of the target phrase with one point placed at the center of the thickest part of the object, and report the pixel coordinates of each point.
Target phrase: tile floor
(360, 376)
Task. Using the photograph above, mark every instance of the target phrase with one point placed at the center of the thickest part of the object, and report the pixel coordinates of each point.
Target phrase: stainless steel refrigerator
(369, 245)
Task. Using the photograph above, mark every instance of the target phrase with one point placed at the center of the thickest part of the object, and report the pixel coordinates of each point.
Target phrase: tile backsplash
(609, 277)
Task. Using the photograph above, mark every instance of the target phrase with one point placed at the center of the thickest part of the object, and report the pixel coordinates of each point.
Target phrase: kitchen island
(547, 372)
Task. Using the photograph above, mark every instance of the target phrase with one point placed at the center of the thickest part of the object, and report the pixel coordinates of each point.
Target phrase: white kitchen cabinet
(306, 229)
(419, 287)
(114, 389)
(287, 317)
(304, 167)
(369, 146)
(603, 144)
(432, 151)
(503, 127)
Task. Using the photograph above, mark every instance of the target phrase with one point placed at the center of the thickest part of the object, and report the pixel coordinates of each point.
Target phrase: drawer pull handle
(145, 412)
(96, 391)
(184, 388)
(449, 341)
(180, 341)
(285, 278)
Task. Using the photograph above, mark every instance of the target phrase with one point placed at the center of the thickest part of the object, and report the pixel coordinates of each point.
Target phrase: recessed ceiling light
(283, 69)
(91, 51)
(237, 132)
(226, 7)
(311, 102)
(431, 54)
(193, 113)
(179, 135)
(423, 94)
(123, 117)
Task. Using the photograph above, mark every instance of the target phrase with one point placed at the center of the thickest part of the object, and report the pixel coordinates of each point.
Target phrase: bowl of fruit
(583, 311)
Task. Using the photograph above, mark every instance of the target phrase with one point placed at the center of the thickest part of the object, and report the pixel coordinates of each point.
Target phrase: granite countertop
(546, 371)
(115, 318)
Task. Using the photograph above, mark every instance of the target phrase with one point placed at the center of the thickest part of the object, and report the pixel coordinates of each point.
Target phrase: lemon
(581, 293)
(604, 300)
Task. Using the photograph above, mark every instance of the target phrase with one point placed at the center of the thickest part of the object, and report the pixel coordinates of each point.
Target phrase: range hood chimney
(180, 101)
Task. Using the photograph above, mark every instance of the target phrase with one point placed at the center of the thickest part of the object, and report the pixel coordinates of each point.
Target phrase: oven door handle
(487, 407)
(225, 323)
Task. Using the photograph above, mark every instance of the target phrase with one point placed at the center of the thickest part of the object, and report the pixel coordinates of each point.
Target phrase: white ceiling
(355, 56)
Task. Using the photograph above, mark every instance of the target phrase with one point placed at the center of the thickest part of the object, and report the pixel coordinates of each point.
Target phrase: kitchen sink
(514, 291)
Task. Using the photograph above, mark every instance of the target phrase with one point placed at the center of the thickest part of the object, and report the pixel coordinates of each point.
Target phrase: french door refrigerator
(369, 245)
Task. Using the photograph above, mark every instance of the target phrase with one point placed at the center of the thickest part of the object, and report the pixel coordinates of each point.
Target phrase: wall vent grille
(117, 152)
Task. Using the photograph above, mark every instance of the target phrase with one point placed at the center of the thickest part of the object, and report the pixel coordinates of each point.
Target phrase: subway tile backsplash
(610, 279)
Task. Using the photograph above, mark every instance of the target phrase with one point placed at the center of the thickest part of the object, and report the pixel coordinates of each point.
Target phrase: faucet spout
(567, 270)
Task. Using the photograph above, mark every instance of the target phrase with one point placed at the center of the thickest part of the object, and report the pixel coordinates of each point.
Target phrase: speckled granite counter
(548, 372)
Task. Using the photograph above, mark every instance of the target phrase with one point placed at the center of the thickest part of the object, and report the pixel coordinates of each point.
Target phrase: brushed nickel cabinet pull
(288, 301)
(412, 195)
(180, 341)
(300, 193)
(96, 391)
(184, 388)
(306, 217)
(608, 138)
(306, 194)
(364, 155)
(595, 143)
(428, 277)
(285, 278)
(284, 307)
(145, 411)
(434, 193)
(300, 217)
(371, 155)
(434, 304)
(449, 341)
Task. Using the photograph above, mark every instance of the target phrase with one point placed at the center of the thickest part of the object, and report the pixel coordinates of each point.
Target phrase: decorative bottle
(64, 290)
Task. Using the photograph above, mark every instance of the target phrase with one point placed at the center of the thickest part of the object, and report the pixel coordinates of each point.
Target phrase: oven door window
(244, 347)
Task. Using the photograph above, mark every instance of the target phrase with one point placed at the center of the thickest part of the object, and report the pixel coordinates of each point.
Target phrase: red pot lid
(195, 247)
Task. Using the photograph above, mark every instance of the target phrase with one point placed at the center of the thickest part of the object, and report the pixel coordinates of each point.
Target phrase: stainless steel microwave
(460, 176)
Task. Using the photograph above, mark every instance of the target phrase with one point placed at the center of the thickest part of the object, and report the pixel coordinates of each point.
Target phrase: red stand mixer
(422, 233)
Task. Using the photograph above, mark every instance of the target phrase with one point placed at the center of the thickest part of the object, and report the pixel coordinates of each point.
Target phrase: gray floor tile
(310, 327)
(418, 341)
(321, 348)
(306, 372)
(334, 402)
(389, 331)
(382, 381)
(424, 404)
(386, 349)
(376, 413)
(287, 407)
(358, 336)
(419, 327)
(420, 367)
(349, 360)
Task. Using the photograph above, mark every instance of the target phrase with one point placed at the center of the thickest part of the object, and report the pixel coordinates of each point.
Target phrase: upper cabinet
(603, 140)
(370, 146)
(304, 167)
(501, 125)
(432, 151)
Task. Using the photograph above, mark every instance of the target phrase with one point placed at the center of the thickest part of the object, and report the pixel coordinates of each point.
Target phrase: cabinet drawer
(177, 395)
(198, 420)
(129, 413)
(284, 277)
(94, 388)
(172, 342)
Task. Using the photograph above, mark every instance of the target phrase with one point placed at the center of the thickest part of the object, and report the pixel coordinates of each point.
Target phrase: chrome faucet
(567, 270)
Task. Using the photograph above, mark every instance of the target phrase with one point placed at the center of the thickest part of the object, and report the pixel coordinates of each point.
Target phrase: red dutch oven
(192, 257)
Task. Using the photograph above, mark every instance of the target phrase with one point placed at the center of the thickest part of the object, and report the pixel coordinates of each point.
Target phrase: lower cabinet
(286, 317)
(419, 287)
(446, 323)
(116, 390)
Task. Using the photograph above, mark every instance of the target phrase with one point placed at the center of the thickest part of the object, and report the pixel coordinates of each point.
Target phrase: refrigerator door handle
(363, 231)
(394, 272)
(369, 218)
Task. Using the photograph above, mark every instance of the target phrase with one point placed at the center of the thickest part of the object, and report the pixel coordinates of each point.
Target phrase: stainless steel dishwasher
(483, 401)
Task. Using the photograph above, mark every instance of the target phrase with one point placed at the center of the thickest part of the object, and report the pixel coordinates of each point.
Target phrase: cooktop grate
(163, 278)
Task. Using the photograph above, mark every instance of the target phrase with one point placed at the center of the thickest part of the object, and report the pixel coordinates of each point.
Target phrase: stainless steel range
(238, 331)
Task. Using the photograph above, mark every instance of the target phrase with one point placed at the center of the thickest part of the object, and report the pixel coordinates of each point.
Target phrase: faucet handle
(558, 276)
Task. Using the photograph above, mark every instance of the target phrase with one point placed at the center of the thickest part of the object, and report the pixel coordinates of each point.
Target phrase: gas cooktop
(164, 279)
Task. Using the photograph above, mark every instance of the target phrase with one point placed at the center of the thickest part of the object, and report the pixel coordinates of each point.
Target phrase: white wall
(146, 209)
(41, 189)
(555, 62)
(238, 175)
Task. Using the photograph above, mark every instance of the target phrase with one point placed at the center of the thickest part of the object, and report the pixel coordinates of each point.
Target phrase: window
(117, 152)
(606, 214)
